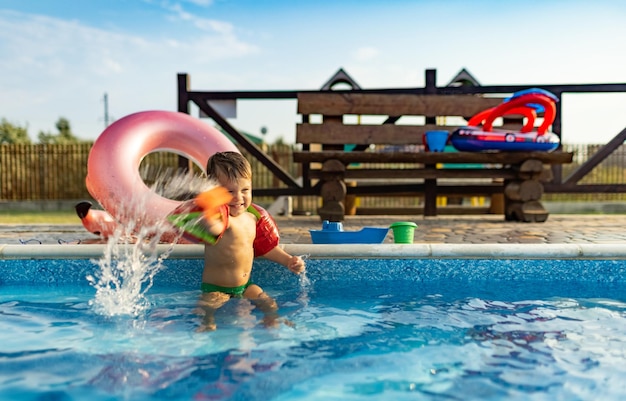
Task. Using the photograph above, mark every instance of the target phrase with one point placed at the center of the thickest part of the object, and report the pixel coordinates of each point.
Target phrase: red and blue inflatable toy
(479, 134)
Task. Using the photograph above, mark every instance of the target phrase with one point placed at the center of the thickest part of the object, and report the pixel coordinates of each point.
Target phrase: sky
(60, 57)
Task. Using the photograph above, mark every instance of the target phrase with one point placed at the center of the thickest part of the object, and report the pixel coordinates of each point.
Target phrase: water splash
(305, 285)
(126, 271)
(132, 256)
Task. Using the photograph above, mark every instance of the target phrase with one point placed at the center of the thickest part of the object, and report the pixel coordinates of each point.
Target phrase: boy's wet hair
(229, 165)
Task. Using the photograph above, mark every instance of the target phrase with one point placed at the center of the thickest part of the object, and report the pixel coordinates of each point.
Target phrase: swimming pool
(399, 322)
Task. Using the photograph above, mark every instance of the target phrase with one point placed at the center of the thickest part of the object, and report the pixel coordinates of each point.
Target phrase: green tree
(65, 135)
(10, 133)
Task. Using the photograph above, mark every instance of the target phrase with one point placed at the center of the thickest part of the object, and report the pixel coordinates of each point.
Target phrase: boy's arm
(216, 224)
(293, 263)
(266, 241)
(267, 236)
(196, 227)
(205, 218)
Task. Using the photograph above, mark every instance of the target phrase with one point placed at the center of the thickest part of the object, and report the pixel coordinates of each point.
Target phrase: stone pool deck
(485, 236)
(484, 229)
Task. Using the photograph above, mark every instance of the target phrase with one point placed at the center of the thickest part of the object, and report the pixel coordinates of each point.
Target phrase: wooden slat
(337, 104)
(433, 158)
(388, 134)
(421, 173)
(411, 189)
(363, 134)
(408, 211)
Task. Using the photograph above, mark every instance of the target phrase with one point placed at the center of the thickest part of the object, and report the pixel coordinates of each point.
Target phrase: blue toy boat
(332, 233)
(473, 139)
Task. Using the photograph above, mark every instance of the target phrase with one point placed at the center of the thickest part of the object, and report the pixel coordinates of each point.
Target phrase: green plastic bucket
(403, 232)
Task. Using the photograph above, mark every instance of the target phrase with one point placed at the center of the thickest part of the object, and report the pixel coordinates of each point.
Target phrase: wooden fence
(43, 172)
(57, 172)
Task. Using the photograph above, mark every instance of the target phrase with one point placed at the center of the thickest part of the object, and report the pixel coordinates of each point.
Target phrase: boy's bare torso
(228, 263)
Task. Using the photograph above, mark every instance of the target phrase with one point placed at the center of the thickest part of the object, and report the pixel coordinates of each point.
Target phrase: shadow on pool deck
(484, 229)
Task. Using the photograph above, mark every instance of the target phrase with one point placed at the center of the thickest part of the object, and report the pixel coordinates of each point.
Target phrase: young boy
(228, 262)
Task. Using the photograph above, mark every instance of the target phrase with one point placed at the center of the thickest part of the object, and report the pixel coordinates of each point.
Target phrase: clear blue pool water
(379, 329)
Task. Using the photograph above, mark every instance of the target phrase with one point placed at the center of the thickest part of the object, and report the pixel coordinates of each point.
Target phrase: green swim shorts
(232, 291)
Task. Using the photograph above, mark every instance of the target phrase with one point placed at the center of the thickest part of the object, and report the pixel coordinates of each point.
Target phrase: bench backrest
(374, 118)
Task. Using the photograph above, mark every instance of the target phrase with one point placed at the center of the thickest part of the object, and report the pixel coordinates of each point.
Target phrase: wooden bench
(386, 157)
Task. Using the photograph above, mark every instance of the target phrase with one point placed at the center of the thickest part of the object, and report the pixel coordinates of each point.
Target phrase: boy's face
(241, 190)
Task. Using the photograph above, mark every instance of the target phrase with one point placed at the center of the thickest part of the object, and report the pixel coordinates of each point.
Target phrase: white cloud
(204, 24)
(54, 68)
(202, 3)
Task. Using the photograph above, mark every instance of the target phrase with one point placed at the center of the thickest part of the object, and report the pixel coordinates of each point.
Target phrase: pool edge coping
(345, 251)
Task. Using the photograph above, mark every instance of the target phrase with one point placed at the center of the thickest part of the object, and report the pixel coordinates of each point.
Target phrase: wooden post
(522, 195)
(333, 191)
(430, 195)
(183, 106)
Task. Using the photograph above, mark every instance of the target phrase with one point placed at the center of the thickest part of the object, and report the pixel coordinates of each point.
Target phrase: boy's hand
(213, 224)
(296, 264)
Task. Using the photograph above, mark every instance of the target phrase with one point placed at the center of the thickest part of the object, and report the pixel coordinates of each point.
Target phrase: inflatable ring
(526, 112)
(534, 91)
(114, 160)
(519, 101)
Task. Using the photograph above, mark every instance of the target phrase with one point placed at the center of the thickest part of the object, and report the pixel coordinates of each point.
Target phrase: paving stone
(566, 229)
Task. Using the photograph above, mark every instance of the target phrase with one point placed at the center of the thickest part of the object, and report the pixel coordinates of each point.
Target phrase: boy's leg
(265, 303)
(208, 303)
